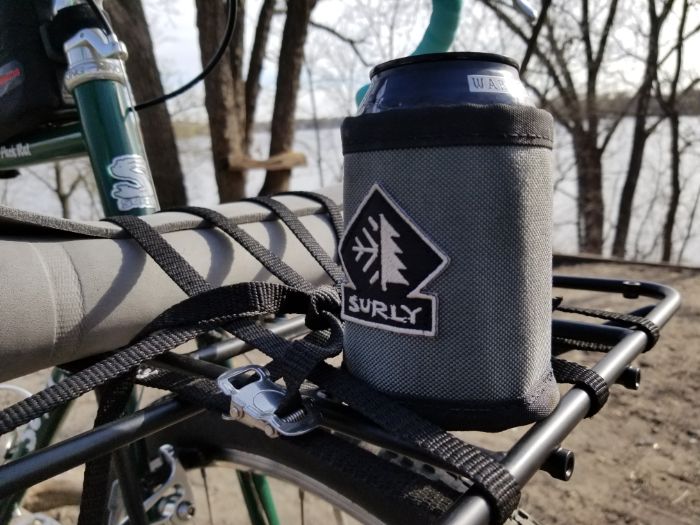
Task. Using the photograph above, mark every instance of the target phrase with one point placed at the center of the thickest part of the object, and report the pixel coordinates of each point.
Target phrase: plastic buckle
(256, 402)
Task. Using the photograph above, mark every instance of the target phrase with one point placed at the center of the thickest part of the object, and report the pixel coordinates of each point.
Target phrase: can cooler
(447, 244)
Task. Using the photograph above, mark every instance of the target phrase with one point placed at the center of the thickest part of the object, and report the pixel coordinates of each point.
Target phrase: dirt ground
(637, 462)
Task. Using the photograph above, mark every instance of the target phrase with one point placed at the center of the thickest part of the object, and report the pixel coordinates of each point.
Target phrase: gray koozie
(447, 254)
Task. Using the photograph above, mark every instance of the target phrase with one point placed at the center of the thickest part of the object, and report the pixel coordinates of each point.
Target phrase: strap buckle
(256, 402)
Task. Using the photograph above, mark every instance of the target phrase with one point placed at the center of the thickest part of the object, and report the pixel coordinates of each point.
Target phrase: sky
(337, 73)
(173, 28)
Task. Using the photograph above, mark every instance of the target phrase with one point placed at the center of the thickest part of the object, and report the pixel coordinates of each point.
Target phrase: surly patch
(388, 260)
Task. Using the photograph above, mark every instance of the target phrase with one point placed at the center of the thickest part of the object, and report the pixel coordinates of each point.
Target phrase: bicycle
(360, 467)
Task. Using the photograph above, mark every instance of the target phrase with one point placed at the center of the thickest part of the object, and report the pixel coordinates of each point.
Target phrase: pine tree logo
(391, 264)
(388, 260)
(384, 253)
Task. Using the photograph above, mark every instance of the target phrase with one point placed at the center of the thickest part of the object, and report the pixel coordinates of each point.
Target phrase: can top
(444, 79)
(441, 57)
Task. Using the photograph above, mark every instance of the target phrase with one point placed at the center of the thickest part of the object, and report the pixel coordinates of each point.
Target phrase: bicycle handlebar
(438, 36)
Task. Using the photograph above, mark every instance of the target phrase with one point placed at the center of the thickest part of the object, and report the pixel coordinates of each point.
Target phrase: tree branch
(532, 42)
(670, 52)
(544, 59)
(349, 41)
(615, 123)
(603, 41)
(257, 56)
(569, 93)
(586, 33)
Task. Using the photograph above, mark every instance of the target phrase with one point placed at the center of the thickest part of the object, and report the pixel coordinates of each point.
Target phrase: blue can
(444, 79)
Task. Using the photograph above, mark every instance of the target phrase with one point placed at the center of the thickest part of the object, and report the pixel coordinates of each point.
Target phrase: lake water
(324, 167)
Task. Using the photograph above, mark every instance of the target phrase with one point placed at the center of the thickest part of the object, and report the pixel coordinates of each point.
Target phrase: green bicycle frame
(109, 133)
(43, 146)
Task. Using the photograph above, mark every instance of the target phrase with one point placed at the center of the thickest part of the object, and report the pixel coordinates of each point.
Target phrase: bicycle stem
(97, 80)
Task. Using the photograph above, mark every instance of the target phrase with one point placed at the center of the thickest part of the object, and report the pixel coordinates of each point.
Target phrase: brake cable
(213, 62)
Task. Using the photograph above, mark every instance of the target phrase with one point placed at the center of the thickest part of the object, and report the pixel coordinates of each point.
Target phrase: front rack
(532, 450)
(536, 450)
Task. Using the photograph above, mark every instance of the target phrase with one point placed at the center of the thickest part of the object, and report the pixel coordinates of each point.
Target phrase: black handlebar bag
(30, 82)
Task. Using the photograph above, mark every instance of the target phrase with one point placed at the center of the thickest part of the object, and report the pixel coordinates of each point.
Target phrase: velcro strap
(573, 373)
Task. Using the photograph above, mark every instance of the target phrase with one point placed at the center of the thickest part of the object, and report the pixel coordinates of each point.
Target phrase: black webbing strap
(299, 360)
(269, 260)
(589, 380)
(86, 380)
(298, 357)
(113, 398)
(645, 325)
(333, 210)
(300, 232)
(490, 478)
(199, 391)
(165, 256)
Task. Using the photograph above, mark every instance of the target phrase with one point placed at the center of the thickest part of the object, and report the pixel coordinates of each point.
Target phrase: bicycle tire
(362, 484)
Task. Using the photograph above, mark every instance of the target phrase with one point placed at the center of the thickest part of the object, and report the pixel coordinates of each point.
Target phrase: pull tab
(256, 402)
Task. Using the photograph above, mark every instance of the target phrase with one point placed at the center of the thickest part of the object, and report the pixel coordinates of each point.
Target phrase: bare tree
(290, 64)
(130, 24)
(669, 104)
(572, 46)
(230, 101)
(63, 184)
(255, 67)
(223, 96)
(641, 130)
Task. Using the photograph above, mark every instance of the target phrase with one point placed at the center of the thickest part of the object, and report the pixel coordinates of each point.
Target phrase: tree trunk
(590, 192)
(131, 27)
(290, 63)
(61, 193)
(226, 115)
(670, 108)
(641, 134)
(257, 56)
(236, 63)
(624, 215)
(675, 187)
(634, 168)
